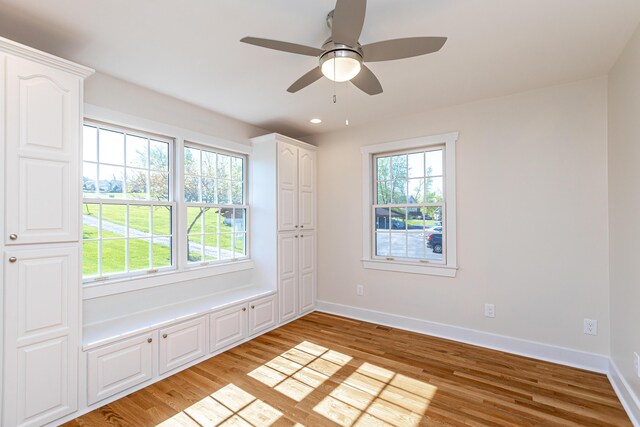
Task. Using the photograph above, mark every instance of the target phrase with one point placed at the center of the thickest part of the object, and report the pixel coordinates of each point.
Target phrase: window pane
(240, 245)
(226, 246)
(111, 181)
(194, 220)
(159, 155)
(223, 191)
(191, 189)
(399, 167)
(226, 224)
(382, 244)
(384, 192)
(137, 151)
(139, 221)
(208, 190)
(114, 220)
(161, 220)
(399, 192)
(191, 161)
(90, 258)
(137, 183)
(161, 252)
(139, 254)
(399, 244)
(239, 223)
(89, 179)
(224, 166)
(209, 164)
(416, 191)
(236, 193)
(432, 216)
(415, 219)
(194, 247)
(237, 169)
(90, 221)
(383, 171)
(90, 143)
(211, 247)
(416, 245)
(416, 165)
(433, 162)
(382, 218)
(111, 147)
(434, 191)
(211, 220)
(434, 247)
(399, 218)
(159, 188)
(113, 256)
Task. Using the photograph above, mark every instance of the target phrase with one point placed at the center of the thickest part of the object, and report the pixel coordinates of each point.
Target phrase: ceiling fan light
(341, 65)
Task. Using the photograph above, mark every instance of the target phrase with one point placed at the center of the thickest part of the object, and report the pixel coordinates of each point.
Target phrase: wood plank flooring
(325, 370)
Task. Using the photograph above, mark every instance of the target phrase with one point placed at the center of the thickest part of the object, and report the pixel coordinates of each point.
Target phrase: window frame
(449, 265)
(88, 281)
(185, 205)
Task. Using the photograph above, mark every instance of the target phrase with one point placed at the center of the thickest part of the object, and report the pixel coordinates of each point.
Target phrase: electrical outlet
(489, 310)
(359, 290)
(590, 327)
(636, 364)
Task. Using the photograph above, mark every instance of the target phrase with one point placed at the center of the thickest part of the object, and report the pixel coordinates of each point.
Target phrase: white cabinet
(181, 344)
(307, 275)
(40, 128)
(296, 187)
(296, 273)
(262, 314)
(306, 188)
(117, 367)
(227, 327)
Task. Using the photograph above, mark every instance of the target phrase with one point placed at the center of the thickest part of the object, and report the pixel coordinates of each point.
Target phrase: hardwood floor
(327, 370)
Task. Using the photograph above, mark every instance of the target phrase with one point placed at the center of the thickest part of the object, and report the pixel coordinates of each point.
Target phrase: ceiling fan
(342, 57)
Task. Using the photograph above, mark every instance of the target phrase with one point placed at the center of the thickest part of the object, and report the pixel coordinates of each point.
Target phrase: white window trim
(181, 271)
(449, 269)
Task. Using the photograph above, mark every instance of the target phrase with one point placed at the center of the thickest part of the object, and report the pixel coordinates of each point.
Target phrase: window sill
(403, 267)
(128, 284)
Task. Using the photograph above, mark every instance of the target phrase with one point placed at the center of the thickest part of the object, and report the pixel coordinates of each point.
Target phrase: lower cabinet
(181, 344)
(262, 314)
(117, 367)
(227, 326)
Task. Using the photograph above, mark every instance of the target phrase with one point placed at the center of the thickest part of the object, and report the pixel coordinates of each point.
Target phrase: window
(410, 209)
(127, 202)
(214, 193)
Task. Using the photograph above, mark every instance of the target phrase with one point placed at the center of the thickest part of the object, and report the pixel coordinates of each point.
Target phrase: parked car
(434, 241)
(435, 229)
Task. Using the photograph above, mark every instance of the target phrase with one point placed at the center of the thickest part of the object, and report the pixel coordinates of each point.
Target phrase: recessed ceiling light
(316, 121)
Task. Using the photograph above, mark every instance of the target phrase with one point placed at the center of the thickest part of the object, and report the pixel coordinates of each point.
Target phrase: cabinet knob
(253, 306)
(296, 236)
(244, 308)
(302, 235)
(296, 226)
(302, 226)
(13, 236)
(164, 335)
(149, 340)
(13, 259)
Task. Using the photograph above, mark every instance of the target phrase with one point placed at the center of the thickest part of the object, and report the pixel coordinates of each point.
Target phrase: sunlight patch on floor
(300, 370)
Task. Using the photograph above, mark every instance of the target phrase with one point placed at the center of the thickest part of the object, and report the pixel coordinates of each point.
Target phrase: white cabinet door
(262, 314)
(287, 187)
(181, 344)
(117, 367)
(41, 334)
(288, 275)
(42, 153)
(307, 271)
(227, 326)
(307, 188)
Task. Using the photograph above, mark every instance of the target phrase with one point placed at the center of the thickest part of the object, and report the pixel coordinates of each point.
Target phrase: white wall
(624, 209)
(532, 218)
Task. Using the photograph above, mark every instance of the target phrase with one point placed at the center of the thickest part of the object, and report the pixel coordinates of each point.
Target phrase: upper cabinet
(43, 105)
(296, 187)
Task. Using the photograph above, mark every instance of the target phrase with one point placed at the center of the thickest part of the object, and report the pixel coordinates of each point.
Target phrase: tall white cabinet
(40, 132)
(284, 224)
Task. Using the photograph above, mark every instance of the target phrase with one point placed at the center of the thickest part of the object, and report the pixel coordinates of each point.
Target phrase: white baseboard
(625, 393)
(550, 353)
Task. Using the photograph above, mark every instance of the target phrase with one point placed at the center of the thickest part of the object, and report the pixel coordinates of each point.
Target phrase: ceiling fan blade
(367, 82)
(348, 20)
(402, 48)
(283, 46)
(305, 80)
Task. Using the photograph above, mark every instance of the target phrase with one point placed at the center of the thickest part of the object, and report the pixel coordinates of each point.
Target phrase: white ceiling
(190, 49)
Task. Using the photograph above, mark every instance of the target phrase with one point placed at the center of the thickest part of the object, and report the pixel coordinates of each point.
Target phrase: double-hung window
(128, 208)
(216, 209)
(410, 205)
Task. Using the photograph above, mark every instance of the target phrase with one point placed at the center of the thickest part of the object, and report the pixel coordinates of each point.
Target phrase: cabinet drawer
(262, 314)
(227, 326)
(181, 344)
(119, 366)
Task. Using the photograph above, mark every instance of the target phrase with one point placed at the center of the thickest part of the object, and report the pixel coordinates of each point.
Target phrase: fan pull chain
(335, 98)
(346, 121)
